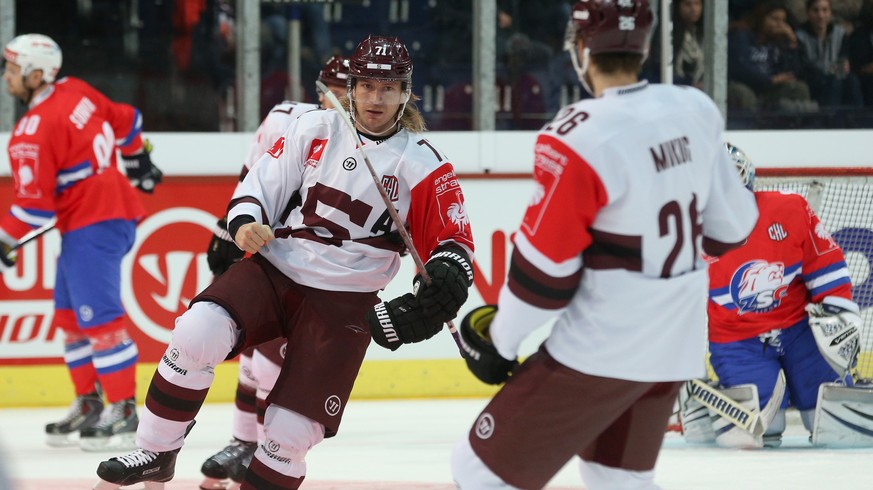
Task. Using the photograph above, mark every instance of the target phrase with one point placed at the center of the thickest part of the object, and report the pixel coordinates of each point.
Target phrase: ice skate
(115, 431)
(228, 464)
(84, 412)
(141, 466)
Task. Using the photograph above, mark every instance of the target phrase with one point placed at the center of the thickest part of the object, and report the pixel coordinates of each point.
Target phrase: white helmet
(745, 167)
(34, 52)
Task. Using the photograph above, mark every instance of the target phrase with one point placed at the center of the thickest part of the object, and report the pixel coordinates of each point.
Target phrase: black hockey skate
(84, 412)
(141, 466)
(115, 431)
(229, 463)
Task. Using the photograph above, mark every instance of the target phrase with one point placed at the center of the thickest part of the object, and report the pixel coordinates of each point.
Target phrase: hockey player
(324, 243)
(630, 185)
(258, 372)
(62, 155)
(782, 302)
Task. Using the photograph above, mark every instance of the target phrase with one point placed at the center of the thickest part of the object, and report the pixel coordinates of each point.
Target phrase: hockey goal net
(843, 200)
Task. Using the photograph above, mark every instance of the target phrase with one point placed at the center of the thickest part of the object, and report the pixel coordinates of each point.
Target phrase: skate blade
(105, 485)
(118, 443)
(214, 484)
(62, 440)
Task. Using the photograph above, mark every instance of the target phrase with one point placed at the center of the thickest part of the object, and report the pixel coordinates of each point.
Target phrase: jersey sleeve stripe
(69, 176)
(537, 288)
(134, 131)
(827, 283)
(614, 251)
(33, 217)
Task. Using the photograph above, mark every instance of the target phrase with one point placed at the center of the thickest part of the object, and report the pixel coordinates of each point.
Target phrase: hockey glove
(141, 172)
(481, 356)
(835, 324)
(451, 275)
(400, 321)
(222, 252)
(8, 257)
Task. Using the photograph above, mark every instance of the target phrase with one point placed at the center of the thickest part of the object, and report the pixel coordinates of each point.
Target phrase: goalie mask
(607, 26)
(745, 167)
(383, 59)
(34, 52)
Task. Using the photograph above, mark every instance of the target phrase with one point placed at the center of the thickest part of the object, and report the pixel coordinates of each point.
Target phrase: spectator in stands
(825, 48)
(861, 52)
(688, 43)
(765, 64)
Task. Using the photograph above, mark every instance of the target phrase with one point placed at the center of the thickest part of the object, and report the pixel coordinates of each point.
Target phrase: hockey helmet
(745, 167)
(34, 52)
(613, 26)
(335, 71)
(381, 58)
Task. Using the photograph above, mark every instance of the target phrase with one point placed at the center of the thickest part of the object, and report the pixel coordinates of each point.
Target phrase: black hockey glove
(400, 321)
(8, 257)
(451, 275)
(141, 172)
(481, 356)
(222, 252)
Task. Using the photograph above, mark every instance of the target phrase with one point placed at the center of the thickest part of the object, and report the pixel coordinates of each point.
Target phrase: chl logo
(157, 284)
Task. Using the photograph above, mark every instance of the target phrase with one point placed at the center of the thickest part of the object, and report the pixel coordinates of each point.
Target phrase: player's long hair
(411, 120)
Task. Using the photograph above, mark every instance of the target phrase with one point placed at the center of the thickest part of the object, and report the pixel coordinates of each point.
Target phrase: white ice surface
(410, 441)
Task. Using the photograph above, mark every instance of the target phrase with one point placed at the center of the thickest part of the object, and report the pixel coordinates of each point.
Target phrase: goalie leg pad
(730, 435)
(695, 420)
(843, 416)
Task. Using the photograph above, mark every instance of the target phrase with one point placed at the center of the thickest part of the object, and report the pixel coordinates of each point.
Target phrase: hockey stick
(752, 421)
(33, 235)
(404, 235)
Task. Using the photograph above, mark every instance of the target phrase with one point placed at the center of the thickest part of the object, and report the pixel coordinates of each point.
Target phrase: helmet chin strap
(26, 101)
(581, 67)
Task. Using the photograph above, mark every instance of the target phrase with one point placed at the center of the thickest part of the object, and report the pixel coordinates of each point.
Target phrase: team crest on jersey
(391, 186)
(316, 149)
(451, 202)
(278, 147)
(758, 286)
(26, 155)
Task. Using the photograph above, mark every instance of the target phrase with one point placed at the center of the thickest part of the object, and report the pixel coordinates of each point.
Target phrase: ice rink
(405, 445)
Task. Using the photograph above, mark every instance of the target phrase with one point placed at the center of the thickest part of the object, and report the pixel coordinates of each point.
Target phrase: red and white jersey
(332, 228)
(630, 187)
(62, 156)
(789, 260)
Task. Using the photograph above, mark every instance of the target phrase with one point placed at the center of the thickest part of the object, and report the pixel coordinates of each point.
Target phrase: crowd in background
(791, 63)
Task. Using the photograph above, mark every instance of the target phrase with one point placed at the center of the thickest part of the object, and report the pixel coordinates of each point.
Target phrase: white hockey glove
(835, 324)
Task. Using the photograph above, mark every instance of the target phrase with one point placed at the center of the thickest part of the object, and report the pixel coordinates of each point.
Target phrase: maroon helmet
(613, 26)
(335, 71)
(381, 58)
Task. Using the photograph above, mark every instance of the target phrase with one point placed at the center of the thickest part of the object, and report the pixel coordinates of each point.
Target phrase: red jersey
(62, 156)
(790, 259)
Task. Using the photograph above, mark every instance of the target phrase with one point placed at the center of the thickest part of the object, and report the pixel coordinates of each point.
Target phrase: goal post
(843, 200)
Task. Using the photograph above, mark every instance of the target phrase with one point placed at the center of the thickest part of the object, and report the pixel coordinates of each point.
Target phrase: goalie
(782, 302)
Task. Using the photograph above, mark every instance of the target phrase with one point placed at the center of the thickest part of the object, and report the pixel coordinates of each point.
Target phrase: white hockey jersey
(333, 230)
(630, 188)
